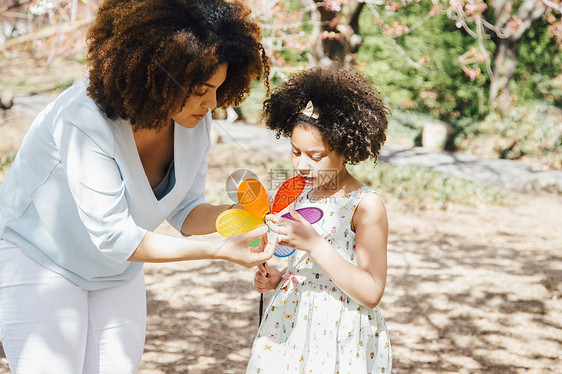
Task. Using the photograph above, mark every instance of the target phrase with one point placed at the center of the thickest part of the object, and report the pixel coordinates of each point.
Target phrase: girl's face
(313, 160)
(201, 100)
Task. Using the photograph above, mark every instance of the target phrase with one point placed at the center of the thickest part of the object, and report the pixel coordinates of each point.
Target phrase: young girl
(324, 317)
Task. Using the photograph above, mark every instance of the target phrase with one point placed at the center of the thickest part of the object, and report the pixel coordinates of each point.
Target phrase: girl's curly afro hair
(351, 115)
(146, 56)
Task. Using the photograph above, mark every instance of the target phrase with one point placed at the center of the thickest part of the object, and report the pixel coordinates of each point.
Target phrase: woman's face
(312, 159)
(201, 100)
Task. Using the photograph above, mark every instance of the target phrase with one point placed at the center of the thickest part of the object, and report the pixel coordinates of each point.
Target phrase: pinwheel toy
(253, 198)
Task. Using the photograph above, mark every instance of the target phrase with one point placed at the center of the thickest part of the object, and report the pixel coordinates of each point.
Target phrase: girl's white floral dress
(311, 326)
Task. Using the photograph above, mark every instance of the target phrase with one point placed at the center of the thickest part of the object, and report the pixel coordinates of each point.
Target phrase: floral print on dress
(315, 327)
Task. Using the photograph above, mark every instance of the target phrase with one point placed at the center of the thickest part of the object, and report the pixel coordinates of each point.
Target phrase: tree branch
(502, 12)
(397, 47)
(528, 13)
(460, 17)
(554, 6)
(408, 59)
(480, 42)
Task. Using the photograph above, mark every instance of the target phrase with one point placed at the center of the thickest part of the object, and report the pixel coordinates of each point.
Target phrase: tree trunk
(505, 62)
(338, 35)
(507, 49)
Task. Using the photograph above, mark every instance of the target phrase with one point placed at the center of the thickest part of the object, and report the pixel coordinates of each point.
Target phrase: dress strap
(357, 195)
(303, 196)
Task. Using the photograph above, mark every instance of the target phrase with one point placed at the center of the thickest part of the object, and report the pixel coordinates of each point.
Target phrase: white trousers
(50, 325)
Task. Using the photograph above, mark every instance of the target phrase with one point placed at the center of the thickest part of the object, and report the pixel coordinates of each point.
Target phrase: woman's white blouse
(77, 200)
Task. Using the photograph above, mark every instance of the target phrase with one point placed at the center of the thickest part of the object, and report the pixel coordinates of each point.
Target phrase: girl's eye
(296, 153)
(316, 158)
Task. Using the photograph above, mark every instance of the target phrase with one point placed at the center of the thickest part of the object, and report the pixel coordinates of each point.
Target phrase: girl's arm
(267, 278)
(163, 248)
(365, 282)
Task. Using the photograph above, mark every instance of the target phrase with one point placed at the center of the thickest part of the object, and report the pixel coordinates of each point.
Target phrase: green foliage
(449, 93)
(422, 187)
(538, 74)
(446, 91)
(532, 131)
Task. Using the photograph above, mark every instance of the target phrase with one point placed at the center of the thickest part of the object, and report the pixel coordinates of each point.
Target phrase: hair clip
(309, 111)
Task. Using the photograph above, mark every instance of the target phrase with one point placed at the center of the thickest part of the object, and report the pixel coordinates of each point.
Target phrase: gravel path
(505, 173)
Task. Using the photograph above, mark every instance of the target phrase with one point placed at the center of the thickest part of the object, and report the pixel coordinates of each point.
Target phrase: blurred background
(471, 173)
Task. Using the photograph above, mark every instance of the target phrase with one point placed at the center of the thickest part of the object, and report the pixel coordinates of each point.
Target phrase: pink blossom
(456, 4)
(476, 8)
(555, 31)
(473, 73)
(393, 7)
(435, 10)
(396, 29)
(424, 60)
(512, 25)
(331, 35)
(331, 6)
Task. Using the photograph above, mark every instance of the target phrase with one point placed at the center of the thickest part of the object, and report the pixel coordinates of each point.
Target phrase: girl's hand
(266, 281)
(298, 234)
(235, 248)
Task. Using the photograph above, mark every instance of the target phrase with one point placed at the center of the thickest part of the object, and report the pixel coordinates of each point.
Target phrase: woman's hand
(298, 234)
(235, 248)
(266, 278)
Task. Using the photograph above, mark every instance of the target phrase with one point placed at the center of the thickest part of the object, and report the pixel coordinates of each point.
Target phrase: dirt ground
(469, 290)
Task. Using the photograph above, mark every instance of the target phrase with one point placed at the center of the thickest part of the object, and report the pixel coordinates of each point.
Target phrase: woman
(103, 165)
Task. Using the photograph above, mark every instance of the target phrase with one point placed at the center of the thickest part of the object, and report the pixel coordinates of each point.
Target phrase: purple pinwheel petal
(311, 214)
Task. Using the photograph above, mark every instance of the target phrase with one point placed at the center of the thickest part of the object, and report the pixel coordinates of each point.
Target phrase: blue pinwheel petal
(283, 251)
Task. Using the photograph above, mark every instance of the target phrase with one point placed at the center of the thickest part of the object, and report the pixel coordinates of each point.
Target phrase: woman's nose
(209, 101)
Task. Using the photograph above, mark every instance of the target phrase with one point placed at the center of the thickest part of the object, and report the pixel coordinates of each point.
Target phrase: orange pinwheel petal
(253, 198)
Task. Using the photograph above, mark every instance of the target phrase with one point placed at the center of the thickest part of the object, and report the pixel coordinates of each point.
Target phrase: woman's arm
(201, 220)
(365, 282)
(163, 248)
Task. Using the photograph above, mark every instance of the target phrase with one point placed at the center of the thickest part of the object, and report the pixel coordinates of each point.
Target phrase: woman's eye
(197, 93)
(296, 153)
(317, 158)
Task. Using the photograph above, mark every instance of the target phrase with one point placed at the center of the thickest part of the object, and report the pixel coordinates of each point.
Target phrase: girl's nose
(303, 166)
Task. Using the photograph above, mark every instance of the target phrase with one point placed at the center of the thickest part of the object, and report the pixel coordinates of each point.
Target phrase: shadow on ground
(458, 300)
(476, 290)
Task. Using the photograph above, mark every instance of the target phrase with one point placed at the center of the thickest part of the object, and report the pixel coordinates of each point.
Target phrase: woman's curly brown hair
(146, 56)
(351, 116)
